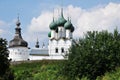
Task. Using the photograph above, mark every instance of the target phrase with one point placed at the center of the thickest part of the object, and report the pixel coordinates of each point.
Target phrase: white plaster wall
(61, 32)
(64, 44)
(19, 53)
(52, 46)
(56, 35)
(32, 57)
(71, 35)
(53, 33)
(54, 57)
(61, 43)
(68, 34)
(68, 42)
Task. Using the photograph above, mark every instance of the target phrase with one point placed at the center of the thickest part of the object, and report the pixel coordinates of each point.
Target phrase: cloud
(2, 23)
(104, 18)
(2, 27)
(39, 28)
(6, 29)
(1, 31)
(41, 23)
(99, 18)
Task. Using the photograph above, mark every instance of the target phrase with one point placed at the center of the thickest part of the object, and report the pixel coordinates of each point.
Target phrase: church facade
(60, 40)
(60, 36)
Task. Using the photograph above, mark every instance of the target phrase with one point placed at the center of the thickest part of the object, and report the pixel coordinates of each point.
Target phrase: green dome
(49, 34)
(53, 25)
(72, 28)
(68, 25)
(61, 21)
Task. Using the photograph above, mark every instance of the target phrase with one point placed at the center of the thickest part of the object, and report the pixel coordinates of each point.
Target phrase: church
(60, 40)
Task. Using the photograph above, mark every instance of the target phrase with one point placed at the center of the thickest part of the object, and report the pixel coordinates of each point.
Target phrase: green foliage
(24, 75)
(38, 70)
(49, 70)
(5, 72)
(93, 55)
(113, 75)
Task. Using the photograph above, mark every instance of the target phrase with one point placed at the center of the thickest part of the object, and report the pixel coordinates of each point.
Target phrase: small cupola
(49, 34)
(53, 25)
(68, 24)
(37, 44)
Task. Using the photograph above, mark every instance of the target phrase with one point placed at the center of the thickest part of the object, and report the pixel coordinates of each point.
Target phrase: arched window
(62, 50)
(56, 50)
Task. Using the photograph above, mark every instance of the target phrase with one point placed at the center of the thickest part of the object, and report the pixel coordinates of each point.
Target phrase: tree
(93, 55)
(5, 71)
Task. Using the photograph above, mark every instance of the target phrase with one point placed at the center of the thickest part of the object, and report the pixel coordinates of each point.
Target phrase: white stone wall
(68, 34)
(53, 35)
(19, 53)
(61, 32)
(59, 44)
(56, 35)
(46, 57)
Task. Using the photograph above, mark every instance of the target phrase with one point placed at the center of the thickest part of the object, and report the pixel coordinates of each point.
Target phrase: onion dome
(37, 44)
(49, 34)
(68, 24)
(61, 20)
(53, 25)
(18, 40)
(72, 28)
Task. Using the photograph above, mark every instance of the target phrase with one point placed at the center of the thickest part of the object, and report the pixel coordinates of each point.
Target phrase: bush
(93, 55)
(113, 75)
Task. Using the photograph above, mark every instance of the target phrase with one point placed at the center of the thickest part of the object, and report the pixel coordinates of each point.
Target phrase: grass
(38, 70)
(49, 70)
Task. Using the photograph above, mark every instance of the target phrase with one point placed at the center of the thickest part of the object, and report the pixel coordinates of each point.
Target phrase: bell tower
(17, 46)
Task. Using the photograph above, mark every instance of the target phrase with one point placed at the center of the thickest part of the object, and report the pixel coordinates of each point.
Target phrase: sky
(36, 15)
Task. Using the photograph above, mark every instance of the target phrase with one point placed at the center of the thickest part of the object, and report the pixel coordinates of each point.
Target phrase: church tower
(17, 46)
(60, 36)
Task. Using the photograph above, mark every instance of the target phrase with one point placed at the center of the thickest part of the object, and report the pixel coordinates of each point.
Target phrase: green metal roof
(49, 34)
(68, 25)
(61, 21)
(72, 28)
(53, 25)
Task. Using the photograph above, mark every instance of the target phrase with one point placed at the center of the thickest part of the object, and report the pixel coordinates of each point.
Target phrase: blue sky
(35, 10)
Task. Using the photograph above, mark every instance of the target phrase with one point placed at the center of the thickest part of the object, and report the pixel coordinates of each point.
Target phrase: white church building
(60, 40)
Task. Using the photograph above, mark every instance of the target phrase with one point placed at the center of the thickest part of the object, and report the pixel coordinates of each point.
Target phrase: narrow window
(56, 50)
(62, 50)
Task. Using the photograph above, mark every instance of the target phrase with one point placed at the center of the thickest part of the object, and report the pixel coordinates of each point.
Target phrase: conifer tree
(5, 72)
